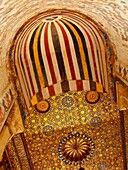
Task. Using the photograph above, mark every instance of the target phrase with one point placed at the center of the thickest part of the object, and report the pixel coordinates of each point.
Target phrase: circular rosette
(76, 148)
(48, 130)
(43, 106)
(92, 97)
(67, 101)
(96, 121)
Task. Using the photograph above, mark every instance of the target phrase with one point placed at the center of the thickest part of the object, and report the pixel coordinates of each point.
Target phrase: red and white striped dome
(59, 51)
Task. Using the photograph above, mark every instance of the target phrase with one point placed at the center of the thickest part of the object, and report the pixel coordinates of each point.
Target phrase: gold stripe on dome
(82, 55)
(35, 49)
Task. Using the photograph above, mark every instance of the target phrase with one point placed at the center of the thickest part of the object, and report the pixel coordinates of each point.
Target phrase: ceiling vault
(64, 101)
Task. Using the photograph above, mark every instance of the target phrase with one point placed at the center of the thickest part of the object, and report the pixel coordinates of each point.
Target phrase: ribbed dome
(59, 52)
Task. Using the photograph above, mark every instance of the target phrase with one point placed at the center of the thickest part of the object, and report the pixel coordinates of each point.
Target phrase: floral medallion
(48, 130)
(75, 148)
(96, 121)
(67, 101)
(92, 97)
(43, 106)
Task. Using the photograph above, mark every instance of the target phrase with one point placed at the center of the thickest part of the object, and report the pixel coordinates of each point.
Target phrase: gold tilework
(100, 121)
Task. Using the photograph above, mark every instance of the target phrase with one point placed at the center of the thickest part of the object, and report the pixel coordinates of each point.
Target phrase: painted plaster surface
(13, 126)
(122, 96)
(6, 103)
(56, 56)
(111, 15)
(121, 70)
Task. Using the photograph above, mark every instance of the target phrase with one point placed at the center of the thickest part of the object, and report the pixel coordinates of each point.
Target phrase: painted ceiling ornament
(92, 97)
(75, 148)
(102, 165)
(43, 106)
(96, 121)
(48, 130)
(67, 101)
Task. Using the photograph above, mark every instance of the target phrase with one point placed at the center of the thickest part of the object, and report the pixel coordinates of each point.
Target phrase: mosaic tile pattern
(100, 121)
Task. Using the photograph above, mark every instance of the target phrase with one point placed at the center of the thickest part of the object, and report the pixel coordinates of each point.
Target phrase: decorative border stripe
(65, 86)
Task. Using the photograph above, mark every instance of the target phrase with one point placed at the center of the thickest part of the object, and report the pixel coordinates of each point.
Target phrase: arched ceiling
(60, 51)
(71, 115)
(111, 15)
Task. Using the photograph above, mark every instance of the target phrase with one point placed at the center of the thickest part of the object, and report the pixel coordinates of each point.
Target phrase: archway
(60, 56)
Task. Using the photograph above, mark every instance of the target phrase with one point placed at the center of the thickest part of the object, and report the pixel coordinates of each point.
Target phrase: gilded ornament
(96, 121)
(92, 97)
(67, 101)
(75, 148)
(48, 130)
(43, 106)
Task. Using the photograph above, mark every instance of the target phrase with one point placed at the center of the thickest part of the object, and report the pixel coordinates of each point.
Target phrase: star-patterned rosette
(76, 148)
